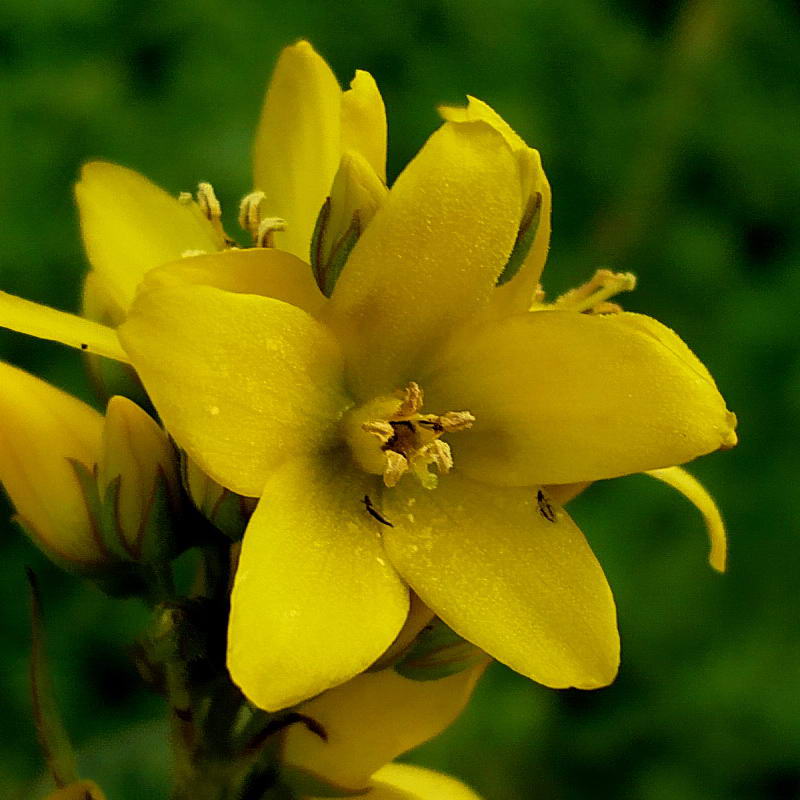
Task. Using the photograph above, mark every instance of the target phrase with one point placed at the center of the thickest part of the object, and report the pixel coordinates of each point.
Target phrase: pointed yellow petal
(409, 782)
(372, 719)
(430, 256)
(561, 397)
(315, 600)
(265, 271)
(696, 493)
(298, 143)
(509, 572)
(517, 294)
(130, 225)
(58, 326)
(241, 381)
(364, 121)
(40, 428)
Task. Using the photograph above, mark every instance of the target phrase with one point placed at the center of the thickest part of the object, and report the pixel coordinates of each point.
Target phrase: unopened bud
(43, 432)
(225, 510)
(137, 479)
(356, 194)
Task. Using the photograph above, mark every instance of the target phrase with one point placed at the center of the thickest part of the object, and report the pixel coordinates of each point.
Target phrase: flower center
(390, 436)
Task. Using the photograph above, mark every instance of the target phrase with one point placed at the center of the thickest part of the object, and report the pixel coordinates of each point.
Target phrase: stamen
(250, 212)
(592, 295)
(207, 200)
(454, 421)
(410, 441)
(210, 208)
(412, 398)
(396, 467)
(265, 235)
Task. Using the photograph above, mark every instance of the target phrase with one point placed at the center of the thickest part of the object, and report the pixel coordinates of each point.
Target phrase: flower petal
(265, 271)
(241, 381)
(298, 143)
(430, 256)
(561, 397)
(315, 600)
(364, 121)
(510, 574)
(696, 493)
(372, 719)
(41, 428)
(410, 782)
(516, 295)
(44, 322)
(130, 225)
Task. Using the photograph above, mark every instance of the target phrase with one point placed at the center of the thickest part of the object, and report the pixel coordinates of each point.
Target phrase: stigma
(390, 436)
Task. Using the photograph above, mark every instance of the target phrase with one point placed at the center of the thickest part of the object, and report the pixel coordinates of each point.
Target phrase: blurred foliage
(669, 133)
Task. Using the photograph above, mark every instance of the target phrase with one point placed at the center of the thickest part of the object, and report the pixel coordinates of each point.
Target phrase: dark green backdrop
(671, 138)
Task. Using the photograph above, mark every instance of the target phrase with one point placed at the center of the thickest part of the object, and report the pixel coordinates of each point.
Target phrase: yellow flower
(400, 432)
(90, 490)
(369, 721)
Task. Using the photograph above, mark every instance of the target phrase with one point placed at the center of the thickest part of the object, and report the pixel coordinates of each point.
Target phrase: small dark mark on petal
(374, 513)
(545, 509)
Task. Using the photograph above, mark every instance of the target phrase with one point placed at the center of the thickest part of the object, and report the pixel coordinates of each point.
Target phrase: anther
(592, 296)
(250, 212)
(207, 200)
(265, 234)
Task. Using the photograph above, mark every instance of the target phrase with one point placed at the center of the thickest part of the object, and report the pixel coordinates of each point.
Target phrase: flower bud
(137, 479)
(96, 496)
(356, 194)
(225, 510)
(43, 433)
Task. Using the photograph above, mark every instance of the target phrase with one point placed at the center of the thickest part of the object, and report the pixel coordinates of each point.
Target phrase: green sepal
(158, 539)
(306, 784)
(436, 653)
(102, 512)
(317, 240)
(327, 271)
(52, 735)
(526, 235)
(340, 253)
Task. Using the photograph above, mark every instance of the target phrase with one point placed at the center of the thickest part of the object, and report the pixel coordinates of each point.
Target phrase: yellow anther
(592, 295)
(407, 440)
(396, 467)
(412, 398)
(265, 234)
(207, 200)
(454, 421)
(250, 212)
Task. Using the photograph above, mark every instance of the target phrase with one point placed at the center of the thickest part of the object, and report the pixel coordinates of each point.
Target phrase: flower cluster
(376, 392)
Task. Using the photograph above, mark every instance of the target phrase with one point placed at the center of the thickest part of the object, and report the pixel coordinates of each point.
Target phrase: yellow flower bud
(137, 476)
(91, 493)
(44, 431)
(356, 194)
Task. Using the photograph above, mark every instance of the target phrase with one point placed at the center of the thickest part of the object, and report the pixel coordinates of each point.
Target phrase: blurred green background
(671, 135)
